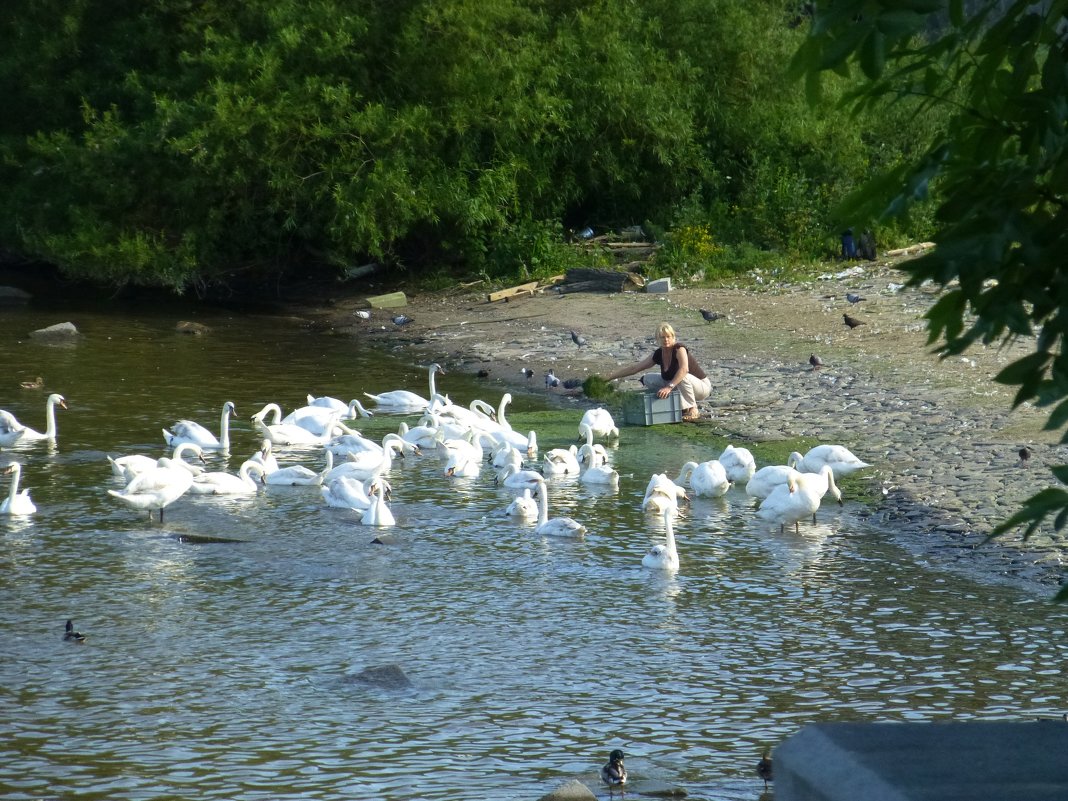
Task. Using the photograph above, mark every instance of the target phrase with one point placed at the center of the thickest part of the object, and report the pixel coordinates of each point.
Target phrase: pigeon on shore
(402, 319)
(854, 299)
(852, 322)
(1025, 455)
(711, 316)
(551, 380)
(572, 383)
(815, 361)
(363, 314)
(527, 373)
(579, 340)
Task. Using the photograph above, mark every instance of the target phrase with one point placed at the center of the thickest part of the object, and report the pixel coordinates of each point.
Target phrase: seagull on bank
(711, 316)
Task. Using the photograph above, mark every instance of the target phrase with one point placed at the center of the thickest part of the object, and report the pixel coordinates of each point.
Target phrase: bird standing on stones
(852, 322)
(854, 299)
(579, 340)
(402, 319)
(815, 361)
(527, 372)
(483, 373)
(1025, 455)
(764, 769)
(363, 314)
(551, 380)
(710, 316)
(614, 773)
(70, 634)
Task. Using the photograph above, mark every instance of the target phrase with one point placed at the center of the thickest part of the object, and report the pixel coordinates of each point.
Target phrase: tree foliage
(1000, 169)
(183, 143)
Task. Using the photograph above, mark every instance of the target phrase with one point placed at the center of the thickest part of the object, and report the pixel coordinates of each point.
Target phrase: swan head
(437, 368)
(55, 399)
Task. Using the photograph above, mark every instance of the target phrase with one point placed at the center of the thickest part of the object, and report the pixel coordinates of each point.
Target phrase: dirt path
(940, 432)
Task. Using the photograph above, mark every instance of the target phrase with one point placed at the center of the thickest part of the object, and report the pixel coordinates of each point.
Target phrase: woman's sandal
(691, 415)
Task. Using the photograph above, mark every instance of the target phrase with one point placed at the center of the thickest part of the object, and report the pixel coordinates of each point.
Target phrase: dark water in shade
(223, 670)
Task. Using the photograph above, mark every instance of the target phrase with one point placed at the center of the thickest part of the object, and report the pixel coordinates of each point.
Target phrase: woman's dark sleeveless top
(668, 372)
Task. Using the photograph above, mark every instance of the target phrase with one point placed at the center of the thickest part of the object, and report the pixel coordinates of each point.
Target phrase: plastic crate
(645, 409)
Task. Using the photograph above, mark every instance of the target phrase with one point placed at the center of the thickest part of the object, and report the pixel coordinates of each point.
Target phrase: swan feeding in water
(840, 459)
(523, 506)
(156, 487)
(12, 432)
(402, 399)
(16, 503)
(666, 556)
(739, 464)
(706, 479)
(556, 526)
(600, 422)
(378, 513)
(128, 467)
(190, 431)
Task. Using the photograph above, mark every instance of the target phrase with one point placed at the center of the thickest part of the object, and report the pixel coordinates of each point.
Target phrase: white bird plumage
(768, 478)
(601, 424)
(841, 460)
(666, 556)
(223, 483)
(739, 464)
(798, 498)
(156, 488)
(404, 400)
(706, 479)
(378, 513)
(523, 506)
(16, 503)
(556, 526)
(13, 433)
(127, 467)
(190, 431)
(513, 476)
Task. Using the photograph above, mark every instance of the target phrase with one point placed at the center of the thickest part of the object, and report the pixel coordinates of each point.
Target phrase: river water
(225, 669)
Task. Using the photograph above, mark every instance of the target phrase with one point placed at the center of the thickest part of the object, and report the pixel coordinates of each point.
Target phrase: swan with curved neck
(190, 431)
(600, 422)
(707, 479)
(378, 513)
(556, 526)
(127, 467)
(222, 483)
(766, 479)
(523, 506)
(739, 464)
(282, 433)
(666, 556)
(12, 432)
(402, 399)
(841, 460)
(16, 503)
(599, 473)
(798, 498)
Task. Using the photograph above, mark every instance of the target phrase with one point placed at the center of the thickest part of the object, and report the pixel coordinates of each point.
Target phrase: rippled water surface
(225, 669)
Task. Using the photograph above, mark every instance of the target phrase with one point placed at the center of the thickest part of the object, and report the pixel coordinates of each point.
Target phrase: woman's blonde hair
(663, 330)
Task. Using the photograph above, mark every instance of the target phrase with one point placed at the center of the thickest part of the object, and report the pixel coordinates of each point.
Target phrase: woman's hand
(663, 392)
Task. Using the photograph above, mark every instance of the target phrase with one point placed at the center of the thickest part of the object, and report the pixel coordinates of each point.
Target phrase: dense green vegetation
(192, 144)
(1001, 169)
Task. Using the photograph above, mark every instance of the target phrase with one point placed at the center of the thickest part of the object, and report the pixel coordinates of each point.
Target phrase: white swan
(16, 503)
(768, 478)
(378, 514)
(348, 492)
(402, 399)
(318, 420)
(352, 410)
(661, 493)
(798, 498)
(512, 476)
(291, 433)
(266, 457)
(127, 467)
(461, 464)
(599, 473)
(12, 432)
(298, 475)
(739, 464)
(590, 453)
(600, 422)
(423, 435)
(368, 463)
(840, 458)
(666, 556)
(561, 462)
(523, 506)
(156, 487)
(223, 483)
(504, 454)
(706, 479)
(189, 431)
(557, 526)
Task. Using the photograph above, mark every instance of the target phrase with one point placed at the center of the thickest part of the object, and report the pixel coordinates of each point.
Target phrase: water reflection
(220, 641)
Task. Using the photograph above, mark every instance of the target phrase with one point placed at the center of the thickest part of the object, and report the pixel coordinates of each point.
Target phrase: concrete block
(659, 285)
(972, 761)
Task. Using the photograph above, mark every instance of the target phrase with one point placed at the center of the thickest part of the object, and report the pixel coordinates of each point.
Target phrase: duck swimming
(70, 634)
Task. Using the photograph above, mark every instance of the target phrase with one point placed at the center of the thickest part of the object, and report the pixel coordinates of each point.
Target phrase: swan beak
(450, 471)
(63, 404)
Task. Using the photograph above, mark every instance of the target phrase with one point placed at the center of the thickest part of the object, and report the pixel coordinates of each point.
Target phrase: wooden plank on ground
(393, 300)
(501, 294)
